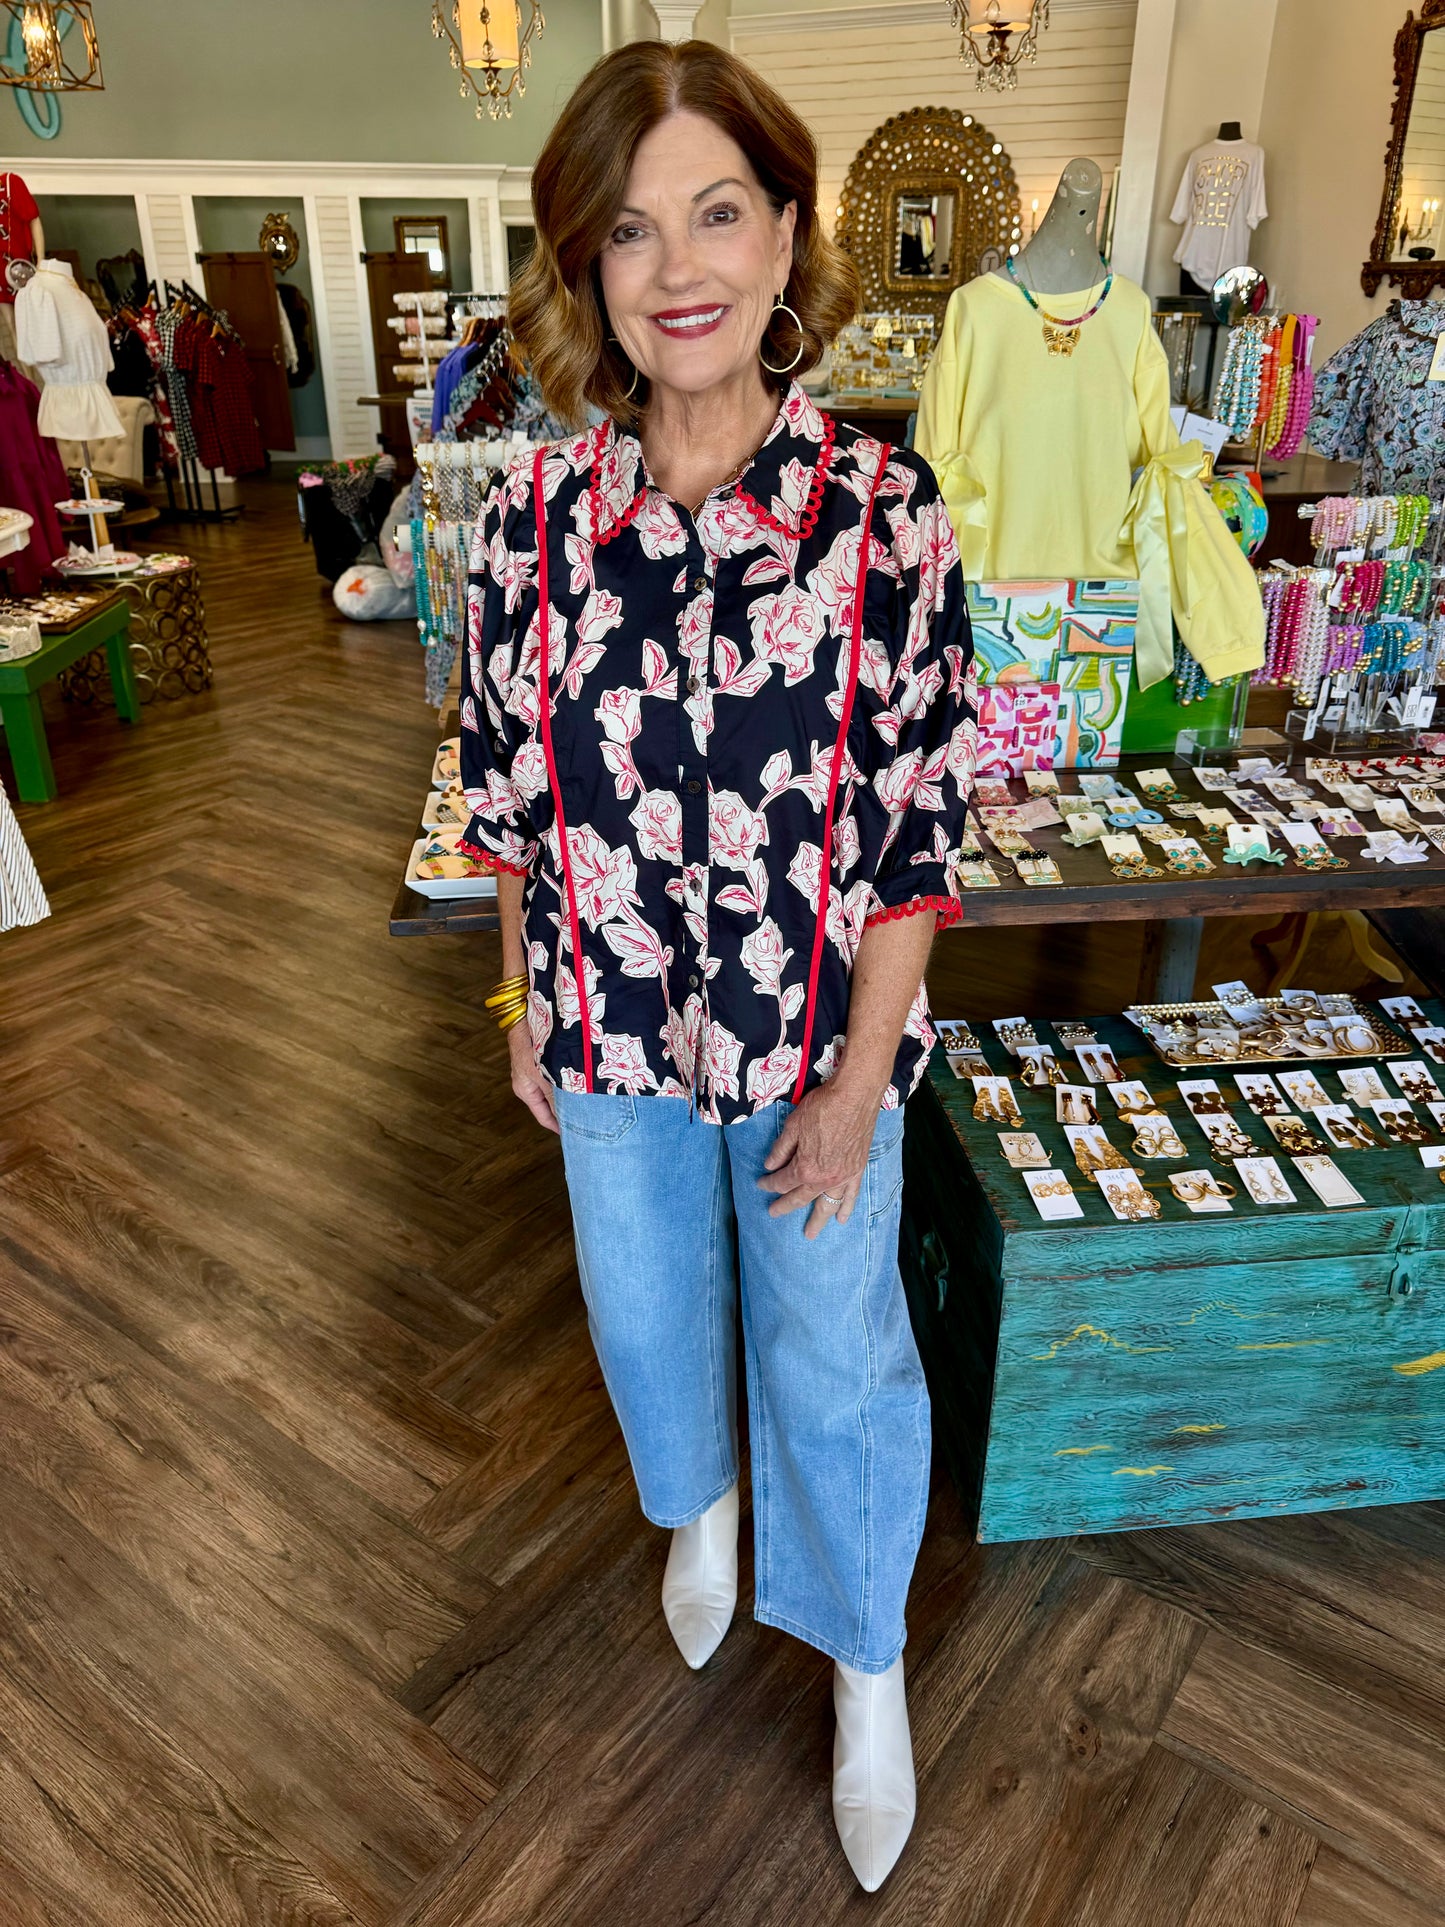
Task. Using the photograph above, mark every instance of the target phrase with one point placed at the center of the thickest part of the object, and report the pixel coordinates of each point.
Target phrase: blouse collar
(783, 483)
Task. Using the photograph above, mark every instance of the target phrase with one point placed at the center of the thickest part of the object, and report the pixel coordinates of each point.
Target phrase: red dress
(32, 478)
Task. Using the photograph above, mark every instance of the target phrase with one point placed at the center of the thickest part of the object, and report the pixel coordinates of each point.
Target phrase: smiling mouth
(683, 322)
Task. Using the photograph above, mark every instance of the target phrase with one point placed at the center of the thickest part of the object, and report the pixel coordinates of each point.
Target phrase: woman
(719, 751)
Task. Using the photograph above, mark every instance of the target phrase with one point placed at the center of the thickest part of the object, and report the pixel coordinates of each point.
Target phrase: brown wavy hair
(556, 310)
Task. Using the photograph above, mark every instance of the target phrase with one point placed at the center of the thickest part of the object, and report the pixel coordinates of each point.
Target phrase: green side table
(20, 683)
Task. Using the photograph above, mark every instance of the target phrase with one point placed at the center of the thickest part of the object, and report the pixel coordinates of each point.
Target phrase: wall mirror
(923, 233)
(930, 196)
(1409, 246)
(426, 234)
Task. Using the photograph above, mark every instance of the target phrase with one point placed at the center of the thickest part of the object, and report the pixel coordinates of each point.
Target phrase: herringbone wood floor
(323, 1595)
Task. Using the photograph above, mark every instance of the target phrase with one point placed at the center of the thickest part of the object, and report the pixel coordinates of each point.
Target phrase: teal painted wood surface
(1103, 1376)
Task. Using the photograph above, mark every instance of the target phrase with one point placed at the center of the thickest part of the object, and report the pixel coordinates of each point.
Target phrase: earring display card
(1099, 1064)
(1128, 1200)
(1264, 1181)
(1400, 1124)
(1437, 1111)
(1023, 1149)
(1432, 1041)
(1038, 1067)
(1415, 1081)
(1363, 1085)
(1294, 1135)
(1132, 1096)
(1344, 1130)
(1227, 1137)
(1156, 1137)
(1053, 1195)
(1304, 1089)
(1013, 1033)
(1075, 1104)
(1432, 1156)
(1327, 1181)
(1261, 1093)
(995, 1103)
(1199, 1190)
(1092, 1149)
(1204, 1097)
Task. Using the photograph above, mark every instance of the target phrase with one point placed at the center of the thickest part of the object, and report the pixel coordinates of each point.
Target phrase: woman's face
(694, 258)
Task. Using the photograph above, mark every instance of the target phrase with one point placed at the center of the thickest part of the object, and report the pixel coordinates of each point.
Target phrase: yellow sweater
(1036, 455)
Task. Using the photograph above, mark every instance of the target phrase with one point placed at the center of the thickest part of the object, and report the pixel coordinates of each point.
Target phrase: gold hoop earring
(781, 307)
(636, 372)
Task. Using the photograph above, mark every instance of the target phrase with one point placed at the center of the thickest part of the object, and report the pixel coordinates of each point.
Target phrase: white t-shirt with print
(1221, 202)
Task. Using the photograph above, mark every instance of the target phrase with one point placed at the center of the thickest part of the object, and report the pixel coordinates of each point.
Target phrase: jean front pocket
(885, 1163)
(596, 1114)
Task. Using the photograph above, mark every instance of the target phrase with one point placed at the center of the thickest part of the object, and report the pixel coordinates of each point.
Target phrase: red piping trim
(489, 860)
(544, 617)
(825, 870)
(948, 909)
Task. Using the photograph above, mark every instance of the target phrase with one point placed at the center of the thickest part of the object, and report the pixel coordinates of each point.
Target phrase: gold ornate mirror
(930, 201)
(1409, 249)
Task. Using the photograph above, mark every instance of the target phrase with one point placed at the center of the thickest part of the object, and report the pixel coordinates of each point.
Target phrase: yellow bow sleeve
(1190, 566)
(966, 500)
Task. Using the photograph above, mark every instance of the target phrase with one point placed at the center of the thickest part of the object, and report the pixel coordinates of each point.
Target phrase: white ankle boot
(873, 1788)
(700, 1586)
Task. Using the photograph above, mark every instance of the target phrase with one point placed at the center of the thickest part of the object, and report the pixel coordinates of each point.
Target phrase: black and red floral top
(675, 725)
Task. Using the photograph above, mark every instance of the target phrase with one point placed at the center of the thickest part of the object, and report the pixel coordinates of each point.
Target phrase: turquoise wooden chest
(1099, 1376)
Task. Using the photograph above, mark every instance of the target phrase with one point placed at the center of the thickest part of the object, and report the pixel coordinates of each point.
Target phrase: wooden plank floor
(323, 1595)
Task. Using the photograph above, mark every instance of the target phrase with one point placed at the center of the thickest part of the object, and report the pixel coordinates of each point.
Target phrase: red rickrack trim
(488, 860)
(629, 514)
(949, 911)
(808, 520)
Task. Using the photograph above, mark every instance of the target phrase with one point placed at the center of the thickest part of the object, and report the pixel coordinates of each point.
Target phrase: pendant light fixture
(997, 35)
(489, 43)
(54, 51)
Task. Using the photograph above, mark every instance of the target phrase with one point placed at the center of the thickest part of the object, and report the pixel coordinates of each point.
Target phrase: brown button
(694, 788)
(694, 683)
(699, 582)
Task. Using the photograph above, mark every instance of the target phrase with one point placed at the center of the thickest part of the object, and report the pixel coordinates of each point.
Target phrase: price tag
(1437, 366)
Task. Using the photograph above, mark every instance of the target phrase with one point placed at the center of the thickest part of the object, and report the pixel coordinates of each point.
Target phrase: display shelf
(1091, 893)
(1096, 1376)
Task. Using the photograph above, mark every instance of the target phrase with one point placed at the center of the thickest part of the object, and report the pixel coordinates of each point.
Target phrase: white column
(675, 17)
(1143, 125)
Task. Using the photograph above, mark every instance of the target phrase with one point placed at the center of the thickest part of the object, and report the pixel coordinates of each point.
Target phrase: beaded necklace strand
(1061, 335)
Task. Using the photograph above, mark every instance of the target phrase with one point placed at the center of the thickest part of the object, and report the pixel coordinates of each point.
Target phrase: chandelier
(53, 64)
(997, 35)
(489, 47)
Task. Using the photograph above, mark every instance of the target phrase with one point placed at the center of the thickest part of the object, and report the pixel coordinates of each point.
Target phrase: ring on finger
(826, 1197)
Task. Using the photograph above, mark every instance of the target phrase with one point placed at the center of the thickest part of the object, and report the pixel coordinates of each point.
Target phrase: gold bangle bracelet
(507, 991)
(512, 1017)
(509, 1008)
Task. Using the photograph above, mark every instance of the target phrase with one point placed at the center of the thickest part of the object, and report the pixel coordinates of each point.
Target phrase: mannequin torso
(1064, 255)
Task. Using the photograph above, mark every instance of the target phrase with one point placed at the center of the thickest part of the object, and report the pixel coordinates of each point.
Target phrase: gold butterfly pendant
(1060, 341)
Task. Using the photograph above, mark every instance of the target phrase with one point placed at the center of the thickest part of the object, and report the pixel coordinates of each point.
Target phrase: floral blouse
(1375, 403)
(677, 726)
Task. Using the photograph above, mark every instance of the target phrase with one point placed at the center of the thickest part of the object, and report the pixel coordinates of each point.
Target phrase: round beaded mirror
(929, 195)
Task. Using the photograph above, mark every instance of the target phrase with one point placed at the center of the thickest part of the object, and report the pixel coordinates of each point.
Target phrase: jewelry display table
(1099, 1376)
(1173, 907)
(169, 651)
(20, 683)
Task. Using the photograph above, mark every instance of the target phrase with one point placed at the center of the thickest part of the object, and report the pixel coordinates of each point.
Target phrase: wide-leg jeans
(671, 1229)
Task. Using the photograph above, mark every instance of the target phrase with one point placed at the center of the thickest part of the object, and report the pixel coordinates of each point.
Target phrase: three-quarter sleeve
(498, 745)
(926, 784)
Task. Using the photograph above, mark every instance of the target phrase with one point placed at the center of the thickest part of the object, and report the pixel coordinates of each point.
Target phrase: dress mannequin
(1064, 255)
(1230, 130)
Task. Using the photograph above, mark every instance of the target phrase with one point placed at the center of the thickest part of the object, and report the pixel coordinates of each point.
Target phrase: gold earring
(636, 372)
(781, 307)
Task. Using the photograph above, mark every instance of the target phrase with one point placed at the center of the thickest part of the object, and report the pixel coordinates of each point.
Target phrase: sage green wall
(230, 221)
(312, 80)
(379, 234)
(95, 225)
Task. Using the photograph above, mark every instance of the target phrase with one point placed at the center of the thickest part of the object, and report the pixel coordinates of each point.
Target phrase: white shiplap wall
(846, 79)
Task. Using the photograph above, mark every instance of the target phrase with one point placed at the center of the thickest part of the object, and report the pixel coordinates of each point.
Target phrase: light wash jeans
(670, 1222)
